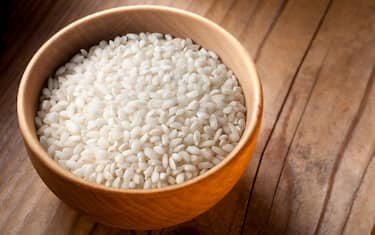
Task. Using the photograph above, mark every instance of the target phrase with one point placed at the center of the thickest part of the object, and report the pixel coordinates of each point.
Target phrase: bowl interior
(108, 24)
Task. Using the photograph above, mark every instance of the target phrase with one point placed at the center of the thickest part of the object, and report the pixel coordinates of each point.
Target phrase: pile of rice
(141, 111)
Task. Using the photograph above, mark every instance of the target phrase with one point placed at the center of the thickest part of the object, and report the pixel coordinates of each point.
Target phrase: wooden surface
(313, 171)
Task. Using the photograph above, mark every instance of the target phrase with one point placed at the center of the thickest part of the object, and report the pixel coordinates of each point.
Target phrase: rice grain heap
(141, 111)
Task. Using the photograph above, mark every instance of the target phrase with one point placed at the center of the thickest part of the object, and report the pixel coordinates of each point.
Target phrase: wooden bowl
(139, 209)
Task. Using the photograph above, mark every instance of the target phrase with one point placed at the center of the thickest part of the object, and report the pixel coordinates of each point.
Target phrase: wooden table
(313, 171)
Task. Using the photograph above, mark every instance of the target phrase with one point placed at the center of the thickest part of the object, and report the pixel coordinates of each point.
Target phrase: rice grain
(141, 111)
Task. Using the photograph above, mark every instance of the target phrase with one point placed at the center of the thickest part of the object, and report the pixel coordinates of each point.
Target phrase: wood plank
(273, 156)
(201, 8)
(363, 213)
(157, 2)
(328, 115)
(61, 221)
(26, 204)
(260, 24)
(13, 194)
(218, 9)
(357, 154)
(278, 60)
(182, 4)
(237, 17)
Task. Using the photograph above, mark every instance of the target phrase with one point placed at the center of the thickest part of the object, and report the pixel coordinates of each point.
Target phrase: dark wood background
(313, 171)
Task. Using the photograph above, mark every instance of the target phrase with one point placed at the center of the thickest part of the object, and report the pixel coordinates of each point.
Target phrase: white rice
(141, 111)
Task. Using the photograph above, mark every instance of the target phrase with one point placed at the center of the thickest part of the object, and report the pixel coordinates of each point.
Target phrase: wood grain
(296, 44)
(332, 112)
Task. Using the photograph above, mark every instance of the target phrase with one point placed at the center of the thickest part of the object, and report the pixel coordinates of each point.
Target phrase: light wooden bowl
(140, 209)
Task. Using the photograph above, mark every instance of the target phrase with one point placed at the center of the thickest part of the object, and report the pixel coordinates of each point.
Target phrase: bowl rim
(35, 147)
